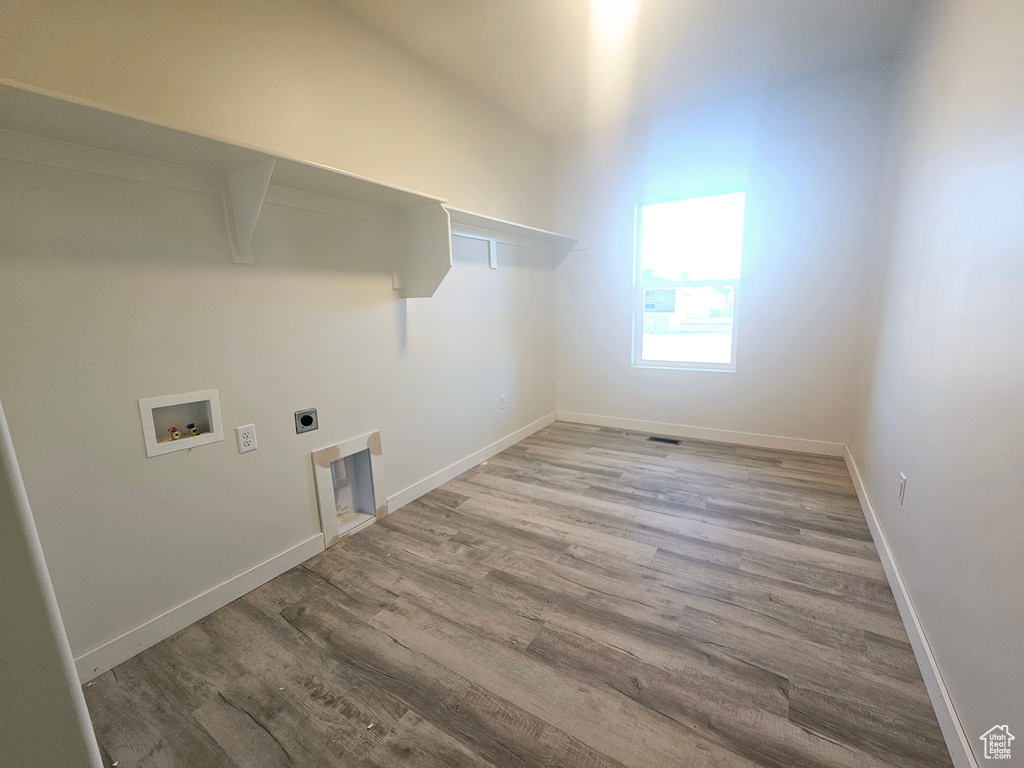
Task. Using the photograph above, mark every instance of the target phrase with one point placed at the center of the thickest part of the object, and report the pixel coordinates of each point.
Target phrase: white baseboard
(820, 447)
(952, 731)
(438, 479)
(121, 648)
(97, 661)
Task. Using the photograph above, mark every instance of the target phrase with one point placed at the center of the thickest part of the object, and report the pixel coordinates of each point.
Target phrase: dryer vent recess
(305, 421)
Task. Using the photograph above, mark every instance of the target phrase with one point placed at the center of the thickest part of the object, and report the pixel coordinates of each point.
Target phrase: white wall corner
(97, 661)
(436, 480)
(957, 742)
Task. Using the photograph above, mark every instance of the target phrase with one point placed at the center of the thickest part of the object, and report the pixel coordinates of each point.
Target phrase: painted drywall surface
(300, 77)
(115, 290)
(42, 709)
(943, 399)
(808, 156)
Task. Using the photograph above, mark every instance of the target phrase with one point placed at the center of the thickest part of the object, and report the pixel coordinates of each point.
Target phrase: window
(687, 282)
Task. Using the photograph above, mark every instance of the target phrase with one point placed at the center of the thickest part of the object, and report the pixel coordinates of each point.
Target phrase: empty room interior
(578, 383)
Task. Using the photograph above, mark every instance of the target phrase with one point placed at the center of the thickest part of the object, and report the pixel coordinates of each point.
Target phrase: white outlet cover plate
(246, 445)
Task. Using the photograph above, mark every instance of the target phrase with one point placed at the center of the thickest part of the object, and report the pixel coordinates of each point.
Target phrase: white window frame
(638, 300)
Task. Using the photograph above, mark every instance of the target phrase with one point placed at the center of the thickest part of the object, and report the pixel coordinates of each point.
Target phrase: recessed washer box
(163, 416)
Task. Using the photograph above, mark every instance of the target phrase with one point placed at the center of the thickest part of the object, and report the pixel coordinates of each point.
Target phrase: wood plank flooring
(585, 598)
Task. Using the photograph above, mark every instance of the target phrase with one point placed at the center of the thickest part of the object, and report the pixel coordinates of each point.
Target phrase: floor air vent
(668, 440)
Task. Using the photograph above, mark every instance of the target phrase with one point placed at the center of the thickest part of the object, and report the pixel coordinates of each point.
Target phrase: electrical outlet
(305, 421)
(246, 437)
(502, 401)
(902, 492)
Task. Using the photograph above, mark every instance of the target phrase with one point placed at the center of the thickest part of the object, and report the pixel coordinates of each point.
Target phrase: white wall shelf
(51, 130)
(494, 231)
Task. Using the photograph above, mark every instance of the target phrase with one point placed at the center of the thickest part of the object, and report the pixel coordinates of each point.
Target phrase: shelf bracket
(247, 187)
(492, 253)
(425, 249)
(492, 243)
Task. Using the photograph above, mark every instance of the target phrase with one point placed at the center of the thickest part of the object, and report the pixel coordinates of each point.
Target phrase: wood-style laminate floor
(586, 598)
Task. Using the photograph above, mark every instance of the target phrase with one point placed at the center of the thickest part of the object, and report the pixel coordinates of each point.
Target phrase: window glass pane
(698, 239)
(690, 324)
(690, 254)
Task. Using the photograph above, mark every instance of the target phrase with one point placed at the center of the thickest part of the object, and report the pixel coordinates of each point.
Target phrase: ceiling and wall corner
(684, 51)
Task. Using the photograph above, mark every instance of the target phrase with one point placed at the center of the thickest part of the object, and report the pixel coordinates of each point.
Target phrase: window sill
(684, 367)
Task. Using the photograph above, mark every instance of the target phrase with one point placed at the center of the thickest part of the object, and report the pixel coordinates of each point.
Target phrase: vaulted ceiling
(555, 63)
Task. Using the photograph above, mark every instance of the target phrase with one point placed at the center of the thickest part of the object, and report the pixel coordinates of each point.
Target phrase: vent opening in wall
(669, 440)
(349, 486)
(351, 480)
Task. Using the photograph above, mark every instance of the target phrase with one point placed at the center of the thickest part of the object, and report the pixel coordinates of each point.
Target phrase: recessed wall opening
(179, 422)
(187, 419)
(352, 482)
(349, 486)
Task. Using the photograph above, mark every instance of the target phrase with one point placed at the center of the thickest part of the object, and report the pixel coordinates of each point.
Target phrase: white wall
(115, 290)
(942, 395)
(808, 155)
(300, 77)
(42, 709)
(125, 291)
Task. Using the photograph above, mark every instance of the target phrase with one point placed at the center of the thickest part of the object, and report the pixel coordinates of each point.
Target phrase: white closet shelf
(51, 116)
(54, 130)
(494, 231)
(50, 129)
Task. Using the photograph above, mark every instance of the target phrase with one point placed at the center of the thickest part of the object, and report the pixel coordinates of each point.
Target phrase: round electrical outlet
(305, 420)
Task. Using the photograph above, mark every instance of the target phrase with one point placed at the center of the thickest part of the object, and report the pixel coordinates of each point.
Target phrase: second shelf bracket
(247, 187)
